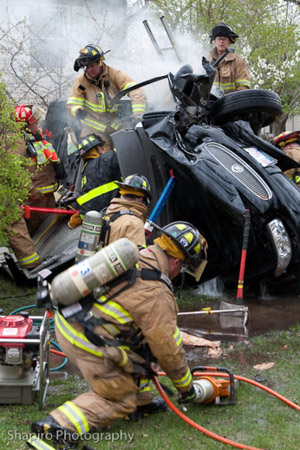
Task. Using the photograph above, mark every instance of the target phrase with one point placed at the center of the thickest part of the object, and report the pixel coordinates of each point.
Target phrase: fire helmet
(287, 137)
(223, 29)
(24, 113)
(88, 142)
(187, 238)
(135, 185)
(87, 55)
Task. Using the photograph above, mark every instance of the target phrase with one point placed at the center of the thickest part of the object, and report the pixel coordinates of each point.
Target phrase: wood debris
(189, 339)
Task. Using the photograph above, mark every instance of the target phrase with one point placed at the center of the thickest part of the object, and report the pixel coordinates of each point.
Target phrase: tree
(268, 39)
(14, 180)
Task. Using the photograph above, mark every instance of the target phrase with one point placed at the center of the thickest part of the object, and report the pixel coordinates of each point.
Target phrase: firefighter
(289, 143)
(125, 216)
(92, 93)
(232, 72)
(42, 159)
(99, 173)
(132, 325)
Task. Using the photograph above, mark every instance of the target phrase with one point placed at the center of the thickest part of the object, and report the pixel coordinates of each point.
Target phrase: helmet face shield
(87, 55)
(195, 272)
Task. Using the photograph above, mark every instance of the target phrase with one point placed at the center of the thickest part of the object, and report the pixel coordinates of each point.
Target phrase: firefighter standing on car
(289, 143)
(99, 173)
(125, 320)
(232, 72)
(125, 216)
(92, 93)
(41, 158)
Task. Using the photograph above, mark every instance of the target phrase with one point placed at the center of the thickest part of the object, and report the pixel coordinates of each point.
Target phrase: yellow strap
(100, 190)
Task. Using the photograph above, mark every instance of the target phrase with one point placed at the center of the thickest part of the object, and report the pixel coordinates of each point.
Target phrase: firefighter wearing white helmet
(232, 72)
(91, 96)
(130, 326)
(42, 160)
(289, 143)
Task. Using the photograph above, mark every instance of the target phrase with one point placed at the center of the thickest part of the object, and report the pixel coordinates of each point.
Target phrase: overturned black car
(222, 169)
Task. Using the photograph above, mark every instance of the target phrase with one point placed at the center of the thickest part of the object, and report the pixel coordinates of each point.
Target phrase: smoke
(142, 61)
(51, 33)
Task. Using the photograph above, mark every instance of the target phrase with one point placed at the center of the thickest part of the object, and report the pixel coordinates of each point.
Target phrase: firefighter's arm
(242, 75)
(76, 100)
(166, 345)
(137, 96)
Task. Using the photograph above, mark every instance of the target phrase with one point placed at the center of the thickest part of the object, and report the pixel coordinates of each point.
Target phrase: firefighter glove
(81, 114)
(187, 397)
(74, 221)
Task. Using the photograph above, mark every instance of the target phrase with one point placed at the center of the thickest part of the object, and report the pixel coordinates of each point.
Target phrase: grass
(258, 419)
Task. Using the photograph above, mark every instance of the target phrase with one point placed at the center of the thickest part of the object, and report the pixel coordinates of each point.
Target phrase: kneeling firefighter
(124, 330)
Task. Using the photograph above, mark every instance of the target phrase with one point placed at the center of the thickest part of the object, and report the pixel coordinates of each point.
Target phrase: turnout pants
(112, 395)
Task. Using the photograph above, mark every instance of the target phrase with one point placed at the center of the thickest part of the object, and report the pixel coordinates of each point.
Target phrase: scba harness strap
(130, 339)
(105, 230)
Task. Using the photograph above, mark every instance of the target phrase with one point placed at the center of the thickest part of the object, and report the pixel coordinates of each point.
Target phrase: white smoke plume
(53, 31)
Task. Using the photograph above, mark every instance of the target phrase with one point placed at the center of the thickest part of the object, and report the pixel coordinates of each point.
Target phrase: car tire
(257, 106)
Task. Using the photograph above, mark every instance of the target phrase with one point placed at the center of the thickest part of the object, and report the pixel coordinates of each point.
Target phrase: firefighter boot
(47, 428)
(38, 444)
(157, 405)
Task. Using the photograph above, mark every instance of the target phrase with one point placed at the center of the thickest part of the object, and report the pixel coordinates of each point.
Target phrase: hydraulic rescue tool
(209, 389)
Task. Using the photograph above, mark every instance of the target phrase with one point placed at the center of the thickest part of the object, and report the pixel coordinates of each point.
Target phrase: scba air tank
(89, 236)
(107, 264)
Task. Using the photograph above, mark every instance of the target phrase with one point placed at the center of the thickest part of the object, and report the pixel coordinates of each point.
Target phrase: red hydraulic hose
(198, 427)
(208, 432)
(57, 352)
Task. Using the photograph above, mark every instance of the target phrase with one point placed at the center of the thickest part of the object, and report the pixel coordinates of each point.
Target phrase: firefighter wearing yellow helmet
(232, 72)
(91, 96)
(130, 326)
(289, 143)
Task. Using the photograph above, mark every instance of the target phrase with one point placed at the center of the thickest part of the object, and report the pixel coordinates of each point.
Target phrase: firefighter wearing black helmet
(98, 175)
(139, 319)
(127, 214)
(91, 96)
(232, 72)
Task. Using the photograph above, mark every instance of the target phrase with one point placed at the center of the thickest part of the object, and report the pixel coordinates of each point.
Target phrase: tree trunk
(279, 124)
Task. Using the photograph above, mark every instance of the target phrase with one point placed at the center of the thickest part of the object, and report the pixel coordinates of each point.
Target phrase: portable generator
(24, 358)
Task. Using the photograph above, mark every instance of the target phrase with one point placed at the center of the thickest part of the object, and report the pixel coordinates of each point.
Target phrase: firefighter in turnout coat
(126, 216)
(232, 72)
(99, 173)
(41, 158)
(92, 93)
(140, 323)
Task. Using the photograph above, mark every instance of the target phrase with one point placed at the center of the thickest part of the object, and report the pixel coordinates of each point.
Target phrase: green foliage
(14, 180)
(268, 38)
